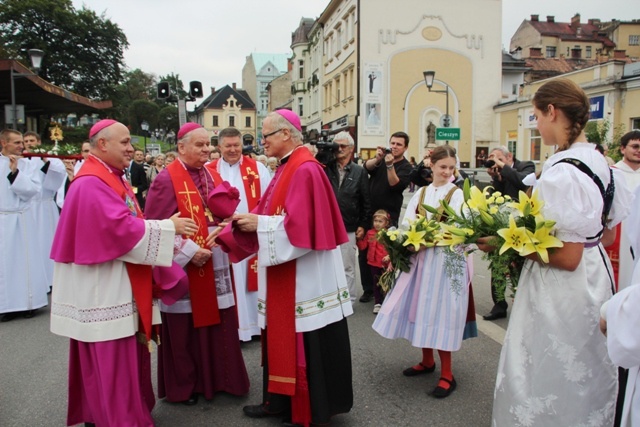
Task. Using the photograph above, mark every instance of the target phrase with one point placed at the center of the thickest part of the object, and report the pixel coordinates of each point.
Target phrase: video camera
(327, 149)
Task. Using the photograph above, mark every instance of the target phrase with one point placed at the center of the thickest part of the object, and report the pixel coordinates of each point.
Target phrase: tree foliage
(136, 85)
(83, 51)
(143, 110)
(599, 132)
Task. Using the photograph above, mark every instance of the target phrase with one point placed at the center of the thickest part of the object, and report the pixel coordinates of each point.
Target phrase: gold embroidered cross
(254, 265)
(188, 194)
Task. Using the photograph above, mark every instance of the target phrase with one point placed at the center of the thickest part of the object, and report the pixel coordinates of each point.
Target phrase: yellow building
(613, 89)
(451, 39)
(227, 107)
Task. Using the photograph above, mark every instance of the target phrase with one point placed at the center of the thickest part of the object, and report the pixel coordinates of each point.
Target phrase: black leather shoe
(366, 297)
(29, 314)
(8, 317)
(495, 315)
(412, 372)
(286, 422)
(440, 392)
(192, 400)
(258, 411)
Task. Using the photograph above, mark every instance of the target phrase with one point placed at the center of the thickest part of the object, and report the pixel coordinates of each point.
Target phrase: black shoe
(366, 296)
(8, 317)
(258, 411)
(29, 314)
(440, 392)
(495, 315)
(412, 372)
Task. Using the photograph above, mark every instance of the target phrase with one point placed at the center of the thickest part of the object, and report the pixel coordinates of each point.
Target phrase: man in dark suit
(507, 173)
(138, 177)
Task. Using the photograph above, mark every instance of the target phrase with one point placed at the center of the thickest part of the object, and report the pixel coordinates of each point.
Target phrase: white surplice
(322, 296)
(632, 179)
(246, 302)
(623, 340)
(554, 369)
(45, 211)
(21, 272)
(94, 303)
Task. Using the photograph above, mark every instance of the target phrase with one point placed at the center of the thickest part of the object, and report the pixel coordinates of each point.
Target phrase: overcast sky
(208, 40)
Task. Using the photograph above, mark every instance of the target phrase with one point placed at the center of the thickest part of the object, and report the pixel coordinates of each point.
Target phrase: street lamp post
(145, 127)
(428, 79)
(36, 56)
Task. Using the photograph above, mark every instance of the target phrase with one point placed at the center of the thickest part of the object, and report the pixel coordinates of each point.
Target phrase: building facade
(613, 89)
(258, 71)
(396, 48)
(228, 107)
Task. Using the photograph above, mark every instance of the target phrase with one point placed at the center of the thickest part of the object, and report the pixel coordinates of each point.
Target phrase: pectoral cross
(254, 265)
(208, 214)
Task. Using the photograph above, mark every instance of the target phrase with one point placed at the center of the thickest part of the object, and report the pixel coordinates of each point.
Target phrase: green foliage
(598, 133)
(142, 110)
(83, 51)
(168, 118)
(136, 85)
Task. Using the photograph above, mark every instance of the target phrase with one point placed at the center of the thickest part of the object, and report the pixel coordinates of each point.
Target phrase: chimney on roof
(535, 52)
(213, 90)
(534, 18)
(594, 21)
(575, 22)
(233, 85)
(551, 18)
(619, 54)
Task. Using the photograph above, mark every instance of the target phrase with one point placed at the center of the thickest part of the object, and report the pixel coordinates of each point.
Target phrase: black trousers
(365, 272)
(329, 374)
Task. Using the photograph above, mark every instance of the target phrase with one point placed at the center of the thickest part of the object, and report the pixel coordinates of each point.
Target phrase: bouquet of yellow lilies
(518, 229)
(401, 244)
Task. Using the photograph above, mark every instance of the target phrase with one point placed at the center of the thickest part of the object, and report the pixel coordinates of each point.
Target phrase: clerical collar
(285, 158)
(187, 167)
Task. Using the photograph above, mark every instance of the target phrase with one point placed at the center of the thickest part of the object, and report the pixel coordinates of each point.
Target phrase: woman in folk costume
(554, 369)
(427, 307)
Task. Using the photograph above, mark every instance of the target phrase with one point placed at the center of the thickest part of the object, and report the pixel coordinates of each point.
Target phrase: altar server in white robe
(620, 321)
(51, 173)
(251, 178)
(21, 277)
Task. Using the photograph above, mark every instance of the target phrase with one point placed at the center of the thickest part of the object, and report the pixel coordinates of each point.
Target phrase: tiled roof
(564, 31)
(301, 33)
(217, 99)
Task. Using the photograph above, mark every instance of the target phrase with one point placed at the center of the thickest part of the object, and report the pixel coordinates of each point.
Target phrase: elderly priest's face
(194, 150)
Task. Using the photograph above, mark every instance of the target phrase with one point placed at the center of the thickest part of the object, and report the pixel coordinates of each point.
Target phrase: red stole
(202, 286)
(252, 190)
(139, 275)
(281, 293)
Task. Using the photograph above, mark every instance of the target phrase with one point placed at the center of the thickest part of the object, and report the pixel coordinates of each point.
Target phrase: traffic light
(195, 89)
(447, 121)
(164, 91)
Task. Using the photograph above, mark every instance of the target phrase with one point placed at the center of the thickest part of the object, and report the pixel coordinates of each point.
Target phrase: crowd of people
(231, 247)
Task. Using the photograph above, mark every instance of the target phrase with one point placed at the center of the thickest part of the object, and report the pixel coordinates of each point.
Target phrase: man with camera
(507, 173)
(389, 173)
(351, 186)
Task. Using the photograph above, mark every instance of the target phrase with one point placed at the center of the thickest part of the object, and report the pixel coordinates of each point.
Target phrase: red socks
(427, 360)
(446, 371)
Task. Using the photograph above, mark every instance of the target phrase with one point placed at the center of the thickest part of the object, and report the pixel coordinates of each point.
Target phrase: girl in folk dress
(554, 369)
(425, 307)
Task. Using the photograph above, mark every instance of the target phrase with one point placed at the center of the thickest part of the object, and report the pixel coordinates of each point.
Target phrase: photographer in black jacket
(350, 183)
(507, 173)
